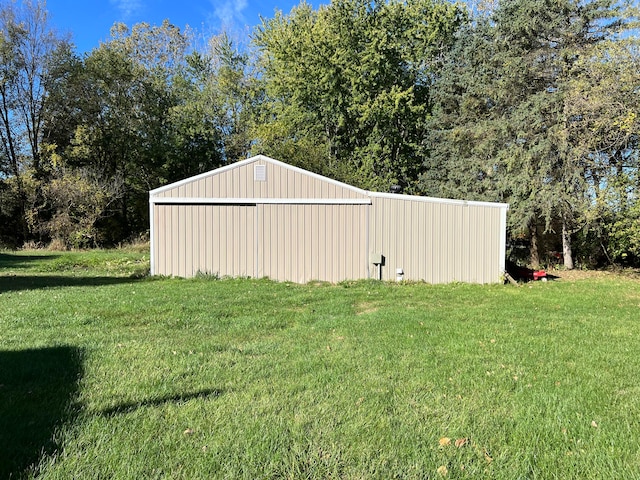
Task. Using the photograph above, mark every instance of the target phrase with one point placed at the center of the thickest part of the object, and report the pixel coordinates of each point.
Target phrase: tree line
(530, 102)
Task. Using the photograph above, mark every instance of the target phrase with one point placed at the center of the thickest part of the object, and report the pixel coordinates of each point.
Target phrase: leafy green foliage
(215, 93)
(146, 111)
(134, 118)
(353, 79)
(507, 113)
(78, 200)
(530, 102)
(604, 130)
(28, 46)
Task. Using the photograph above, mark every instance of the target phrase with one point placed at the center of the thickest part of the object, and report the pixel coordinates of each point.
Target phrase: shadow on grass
(157, 402)
(38, 389)
(8, 260)
(36, 282)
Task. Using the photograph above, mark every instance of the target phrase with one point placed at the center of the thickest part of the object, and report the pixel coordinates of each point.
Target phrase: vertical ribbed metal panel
(437, 242)
(215, 239)
(301, 243)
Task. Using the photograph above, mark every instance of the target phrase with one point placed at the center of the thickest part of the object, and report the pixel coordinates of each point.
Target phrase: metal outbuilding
(264, 218)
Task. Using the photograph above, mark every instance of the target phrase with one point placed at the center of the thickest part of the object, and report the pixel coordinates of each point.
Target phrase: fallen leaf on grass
(443, 470)
(487, 456)
(188, 431)
(444, 441)
(461, 442)
(594, 424)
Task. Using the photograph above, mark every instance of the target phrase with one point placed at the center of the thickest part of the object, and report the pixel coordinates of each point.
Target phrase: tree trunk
(535, 252)
(566, 246)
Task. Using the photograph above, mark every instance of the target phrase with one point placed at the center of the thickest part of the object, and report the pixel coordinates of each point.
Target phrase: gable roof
(258, 178)
(261, 179)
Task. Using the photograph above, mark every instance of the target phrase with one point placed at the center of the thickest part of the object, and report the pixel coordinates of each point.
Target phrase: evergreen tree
(501, 131)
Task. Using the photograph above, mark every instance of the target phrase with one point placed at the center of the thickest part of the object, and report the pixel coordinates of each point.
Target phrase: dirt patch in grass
(366, 307)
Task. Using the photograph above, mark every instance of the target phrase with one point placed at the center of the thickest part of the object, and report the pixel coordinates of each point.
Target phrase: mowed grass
(107, 374)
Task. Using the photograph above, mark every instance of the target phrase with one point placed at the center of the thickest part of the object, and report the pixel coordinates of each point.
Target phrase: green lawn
(105, 373)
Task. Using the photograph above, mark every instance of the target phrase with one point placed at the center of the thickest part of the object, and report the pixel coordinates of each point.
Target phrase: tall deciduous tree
(28, 46)
(147, 110)
(28, 49)
(216, 96)
(234, 78)
(348, 86)
(604, 130)
(117, 121)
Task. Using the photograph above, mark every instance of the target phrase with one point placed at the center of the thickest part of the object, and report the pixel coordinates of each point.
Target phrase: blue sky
(89, 21)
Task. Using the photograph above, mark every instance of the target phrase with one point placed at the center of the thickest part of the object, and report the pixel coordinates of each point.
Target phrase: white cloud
(127, 8)
(229, 12)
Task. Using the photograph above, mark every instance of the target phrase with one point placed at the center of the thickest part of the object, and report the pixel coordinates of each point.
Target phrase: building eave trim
(416, 198)
(257, 201)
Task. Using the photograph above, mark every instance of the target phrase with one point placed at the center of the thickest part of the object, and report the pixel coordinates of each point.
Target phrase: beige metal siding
(301, 243)
(213, 239)
(296, 243)
(437, 242)
(298, 226)
(281, 182)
